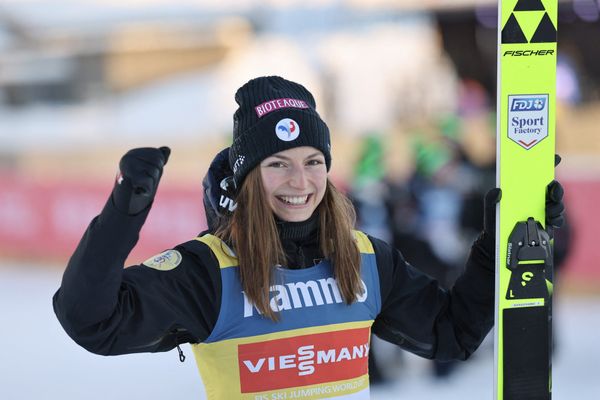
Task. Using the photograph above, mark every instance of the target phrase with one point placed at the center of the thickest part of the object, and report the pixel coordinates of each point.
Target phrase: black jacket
(111, 310)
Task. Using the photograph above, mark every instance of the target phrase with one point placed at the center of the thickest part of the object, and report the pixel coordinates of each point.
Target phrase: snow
(39, 361)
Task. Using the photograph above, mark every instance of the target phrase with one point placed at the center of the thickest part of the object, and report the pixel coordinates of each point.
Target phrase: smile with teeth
(294, 200)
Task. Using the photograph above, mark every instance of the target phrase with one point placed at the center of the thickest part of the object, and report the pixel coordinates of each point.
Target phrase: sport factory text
(527, 125)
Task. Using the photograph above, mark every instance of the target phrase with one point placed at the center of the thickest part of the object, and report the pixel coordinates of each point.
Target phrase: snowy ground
(39, 361)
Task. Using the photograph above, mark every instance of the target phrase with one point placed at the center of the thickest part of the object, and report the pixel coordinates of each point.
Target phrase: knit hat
(274, 114)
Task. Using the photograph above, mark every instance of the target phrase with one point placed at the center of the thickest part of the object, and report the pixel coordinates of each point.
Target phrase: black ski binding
(529, 257)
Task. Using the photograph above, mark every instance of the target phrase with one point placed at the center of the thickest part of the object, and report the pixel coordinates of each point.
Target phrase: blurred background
(408, 90)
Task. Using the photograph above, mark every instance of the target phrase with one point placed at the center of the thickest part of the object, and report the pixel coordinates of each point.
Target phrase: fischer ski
(527, 31)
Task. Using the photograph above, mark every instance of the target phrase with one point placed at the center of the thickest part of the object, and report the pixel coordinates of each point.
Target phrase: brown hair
(253, 233)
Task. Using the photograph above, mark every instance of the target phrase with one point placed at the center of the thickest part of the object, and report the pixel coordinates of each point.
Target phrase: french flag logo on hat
(287, 129)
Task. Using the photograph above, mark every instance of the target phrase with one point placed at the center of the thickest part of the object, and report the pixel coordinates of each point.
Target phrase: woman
(279, 298)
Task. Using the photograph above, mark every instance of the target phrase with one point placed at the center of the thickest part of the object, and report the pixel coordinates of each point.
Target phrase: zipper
(179, 351)
(181, 355)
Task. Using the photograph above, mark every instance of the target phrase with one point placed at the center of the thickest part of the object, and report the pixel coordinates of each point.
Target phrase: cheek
(270, 181)
(321, 184)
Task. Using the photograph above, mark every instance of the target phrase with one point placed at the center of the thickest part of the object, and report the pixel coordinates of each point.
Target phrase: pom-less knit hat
(274, 114)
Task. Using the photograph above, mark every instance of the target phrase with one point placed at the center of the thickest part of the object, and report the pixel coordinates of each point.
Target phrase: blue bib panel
(317, 349)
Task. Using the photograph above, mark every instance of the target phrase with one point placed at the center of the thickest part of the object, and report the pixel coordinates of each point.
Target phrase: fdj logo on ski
(527, 119)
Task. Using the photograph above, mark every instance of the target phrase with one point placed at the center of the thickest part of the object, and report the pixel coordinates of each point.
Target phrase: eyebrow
(315, 154)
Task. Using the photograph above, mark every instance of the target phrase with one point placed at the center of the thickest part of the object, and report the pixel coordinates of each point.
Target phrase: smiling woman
(279, 297)
(294, 181)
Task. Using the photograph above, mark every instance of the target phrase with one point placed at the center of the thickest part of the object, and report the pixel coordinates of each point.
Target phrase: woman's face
(294, 181)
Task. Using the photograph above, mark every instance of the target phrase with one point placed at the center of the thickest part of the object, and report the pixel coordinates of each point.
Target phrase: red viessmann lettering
(303, 360)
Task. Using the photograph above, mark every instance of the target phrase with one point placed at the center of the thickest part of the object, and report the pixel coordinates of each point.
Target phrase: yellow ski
(525, 165)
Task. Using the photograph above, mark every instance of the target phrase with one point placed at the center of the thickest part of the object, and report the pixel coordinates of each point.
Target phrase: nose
(298, 178)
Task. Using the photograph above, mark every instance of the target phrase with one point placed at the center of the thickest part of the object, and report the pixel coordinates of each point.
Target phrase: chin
(294, 217)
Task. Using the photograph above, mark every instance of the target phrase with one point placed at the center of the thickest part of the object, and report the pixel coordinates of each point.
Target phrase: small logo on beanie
(287, 129)
(238, 163)
(274, 105)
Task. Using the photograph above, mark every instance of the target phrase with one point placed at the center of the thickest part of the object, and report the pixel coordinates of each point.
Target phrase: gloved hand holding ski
(140, 171)
(555, 207)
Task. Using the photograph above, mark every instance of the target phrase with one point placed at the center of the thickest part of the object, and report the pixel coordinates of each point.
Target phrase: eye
(276, 164)
(315, 161)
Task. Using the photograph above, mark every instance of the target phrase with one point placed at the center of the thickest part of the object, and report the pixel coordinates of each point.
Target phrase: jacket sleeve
(108, 309)
(420, 316)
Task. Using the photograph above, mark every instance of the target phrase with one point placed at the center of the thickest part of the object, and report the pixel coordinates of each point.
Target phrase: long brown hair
(253, 233)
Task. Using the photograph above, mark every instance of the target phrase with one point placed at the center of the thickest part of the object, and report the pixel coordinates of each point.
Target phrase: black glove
(140, 171)
(492, 197)
(555, 207)
(219, 190)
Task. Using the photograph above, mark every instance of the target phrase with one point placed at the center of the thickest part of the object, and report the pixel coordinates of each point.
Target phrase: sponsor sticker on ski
(527, 119)
(303, 360)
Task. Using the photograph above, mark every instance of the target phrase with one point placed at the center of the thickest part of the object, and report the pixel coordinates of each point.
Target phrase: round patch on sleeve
(165, 261)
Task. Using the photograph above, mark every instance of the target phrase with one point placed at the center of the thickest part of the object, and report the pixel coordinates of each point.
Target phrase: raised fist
(140, 171)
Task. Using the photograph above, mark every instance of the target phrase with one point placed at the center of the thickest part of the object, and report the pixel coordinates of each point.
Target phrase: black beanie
(274, 114)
